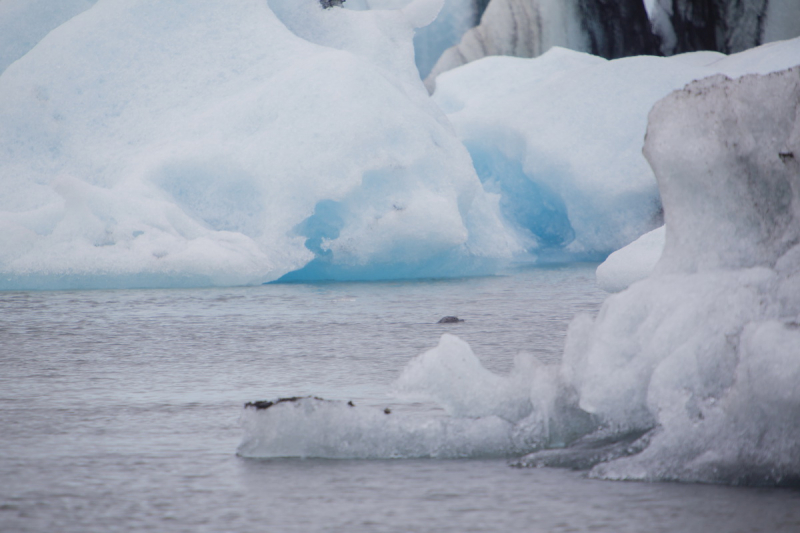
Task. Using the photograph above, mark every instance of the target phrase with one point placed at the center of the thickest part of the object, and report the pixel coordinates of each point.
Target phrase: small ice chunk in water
(313, 427)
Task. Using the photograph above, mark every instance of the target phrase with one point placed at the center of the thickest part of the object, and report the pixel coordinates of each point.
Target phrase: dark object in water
(265, 404)
(331, 3)
(351, 404)
(387, 411)
(450, 320)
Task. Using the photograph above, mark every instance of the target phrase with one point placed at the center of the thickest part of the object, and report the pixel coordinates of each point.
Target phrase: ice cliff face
(620, 28)
(707, 349)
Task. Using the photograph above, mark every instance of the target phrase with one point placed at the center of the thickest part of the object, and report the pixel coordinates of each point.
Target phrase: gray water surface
(119, 412)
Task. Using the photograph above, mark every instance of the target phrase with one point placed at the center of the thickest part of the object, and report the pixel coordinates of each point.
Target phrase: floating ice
(631, 263)
(707, 349)
(312, 427)
(153, 144)
(528, 28)
(559, 138)
(690, 374)
(455, 18)
(23, 23)
(453, 377)
(485, 409)
(144, 146)
(486, 415)
(520, 28)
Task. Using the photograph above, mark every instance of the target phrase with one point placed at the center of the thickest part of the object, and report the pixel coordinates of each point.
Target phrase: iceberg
(687, 375)
(529, 28)
(23, 23)
(728, 27)
(153, 145)
(313, 427)
(559, 138)
(632, 263)
(469, 412)
(454, 19)
(707, 349)
(146, 147)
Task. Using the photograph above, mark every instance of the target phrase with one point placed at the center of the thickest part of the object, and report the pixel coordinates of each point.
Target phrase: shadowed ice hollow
(559, 138)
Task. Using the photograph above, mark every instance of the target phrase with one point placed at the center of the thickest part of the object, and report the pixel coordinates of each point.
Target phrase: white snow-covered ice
(559, 138)
(146, 144)
(454, 19)
(707, 349)
(23, 23)
(147, 147)
(631, 263)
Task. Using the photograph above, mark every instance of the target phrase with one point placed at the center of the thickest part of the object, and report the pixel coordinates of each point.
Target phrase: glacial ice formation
(454, 19)
(690, 374)
(515, 28)
(622, 28)
(23, 23)
(559, 138)
(707, 349)
(485, 415)
(631, 263)
(313, 427)
(152, 144)
(723, 26)
(182, 150)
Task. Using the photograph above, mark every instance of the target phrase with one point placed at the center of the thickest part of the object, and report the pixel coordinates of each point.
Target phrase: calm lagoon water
(119, 412)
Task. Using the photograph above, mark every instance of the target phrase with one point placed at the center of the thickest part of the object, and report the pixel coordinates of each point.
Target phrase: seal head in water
(450, 320)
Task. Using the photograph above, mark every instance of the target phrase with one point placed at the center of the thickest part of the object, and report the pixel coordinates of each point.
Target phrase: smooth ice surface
(707, 349)
(23, 23)
(559, 137)
(632, 263)
(146, 144)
